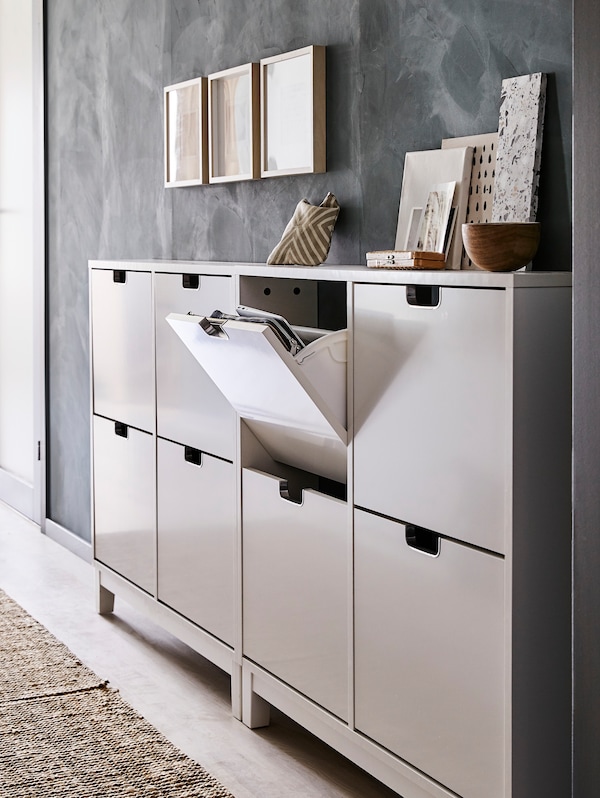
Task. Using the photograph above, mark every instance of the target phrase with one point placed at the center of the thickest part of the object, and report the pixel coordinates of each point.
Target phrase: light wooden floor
(179, 692)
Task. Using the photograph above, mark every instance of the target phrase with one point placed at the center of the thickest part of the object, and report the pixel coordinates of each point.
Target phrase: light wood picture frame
(186, 133)
(234, 124)
(293, 112)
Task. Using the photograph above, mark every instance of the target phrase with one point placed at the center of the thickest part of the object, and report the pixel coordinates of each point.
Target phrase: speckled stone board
(520, 131)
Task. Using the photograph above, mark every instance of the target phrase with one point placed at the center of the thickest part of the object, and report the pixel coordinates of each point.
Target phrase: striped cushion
(307, 237)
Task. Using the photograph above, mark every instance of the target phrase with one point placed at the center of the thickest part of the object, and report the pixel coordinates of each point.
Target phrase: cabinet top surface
(351, 274)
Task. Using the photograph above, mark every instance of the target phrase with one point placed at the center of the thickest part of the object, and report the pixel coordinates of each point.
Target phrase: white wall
(16, 243)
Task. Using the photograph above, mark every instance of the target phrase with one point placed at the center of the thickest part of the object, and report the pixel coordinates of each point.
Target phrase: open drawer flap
(294, 398)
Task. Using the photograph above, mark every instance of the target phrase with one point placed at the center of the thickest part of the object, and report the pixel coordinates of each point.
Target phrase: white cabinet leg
(105, 600)
(256, 712)
(236, 691)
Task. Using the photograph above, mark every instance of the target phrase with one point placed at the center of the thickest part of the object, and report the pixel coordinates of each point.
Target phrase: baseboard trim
(17, 493)
(59, 534)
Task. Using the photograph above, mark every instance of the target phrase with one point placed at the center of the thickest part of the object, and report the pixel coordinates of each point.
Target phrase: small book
(414, 259)
(411, 263)
(397, 254)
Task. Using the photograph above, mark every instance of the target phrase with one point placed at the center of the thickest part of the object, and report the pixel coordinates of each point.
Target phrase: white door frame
(30, 500)
(39, 262)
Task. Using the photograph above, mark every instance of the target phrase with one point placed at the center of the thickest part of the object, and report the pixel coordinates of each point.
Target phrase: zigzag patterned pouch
(307, 236)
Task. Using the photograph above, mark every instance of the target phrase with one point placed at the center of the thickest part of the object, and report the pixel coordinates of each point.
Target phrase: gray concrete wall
(107, 64)
(401, 75)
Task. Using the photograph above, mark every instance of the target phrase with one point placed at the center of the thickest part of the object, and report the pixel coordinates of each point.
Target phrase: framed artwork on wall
(233, 124)
(186, 133)
(293, 123)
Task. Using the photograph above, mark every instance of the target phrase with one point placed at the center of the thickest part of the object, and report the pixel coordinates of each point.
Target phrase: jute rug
(65, 732)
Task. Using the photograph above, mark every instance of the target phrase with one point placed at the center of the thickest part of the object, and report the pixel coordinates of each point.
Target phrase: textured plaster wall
(401, 75)
(243, 221)
(432, 70)
(106, 65)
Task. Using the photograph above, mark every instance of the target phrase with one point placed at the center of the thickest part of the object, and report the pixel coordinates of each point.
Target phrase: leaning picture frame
(292, 112)
(233, 124)
(422, 171)
(186, 133)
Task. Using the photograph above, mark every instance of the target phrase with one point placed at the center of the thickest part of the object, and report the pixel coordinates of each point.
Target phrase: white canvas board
(423, 170)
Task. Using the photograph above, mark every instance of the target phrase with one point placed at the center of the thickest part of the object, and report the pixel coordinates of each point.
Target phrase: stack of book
(398, 259)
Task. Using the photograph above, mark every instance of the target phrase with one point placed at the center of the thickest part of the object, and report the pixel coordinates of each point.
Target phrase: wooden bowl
(501, 246)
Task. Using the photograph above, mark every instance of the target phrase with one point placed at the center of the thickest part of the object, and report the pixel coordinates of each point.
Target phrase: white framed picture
(186, 133)
(292, 115)
(423, 171)
(233, 124)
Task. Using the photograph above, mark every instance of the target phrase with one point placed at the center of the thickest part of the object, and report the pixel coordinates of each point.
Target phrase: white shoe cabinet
(372, 535)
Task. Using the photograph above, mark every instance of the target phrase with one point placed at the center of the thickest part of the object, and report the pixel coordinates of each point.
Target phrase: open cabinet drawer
(294, 404)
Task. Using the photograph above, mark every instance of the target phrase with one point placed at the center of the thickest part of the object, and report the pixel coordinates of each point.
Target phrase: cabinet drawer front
(190, 408)
(123, 347)
(124, 502)
(196, 535)
(432, 436)
(295, 609)
(429, 655)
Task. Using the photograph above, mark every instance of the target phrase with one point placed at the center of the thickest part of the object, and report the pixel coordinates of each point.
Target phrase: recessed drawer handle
(119, 276)
(192, 455)
(121, 429)
(423, 540)
(212, 326)
(191, 281)
(286, 493)
(423, 296)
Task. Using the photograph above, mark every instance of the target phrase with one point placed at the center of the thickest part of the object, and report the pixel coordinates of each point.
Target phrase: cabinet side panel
(541, 555)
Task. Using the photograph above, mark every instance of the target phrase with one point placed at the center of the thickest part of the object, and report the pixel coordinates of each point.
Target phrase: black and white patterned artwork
(520, 130)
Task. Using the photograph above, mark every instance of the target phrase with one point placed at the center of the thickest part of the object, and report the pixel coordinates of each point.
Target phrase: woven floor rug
(65, 732)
